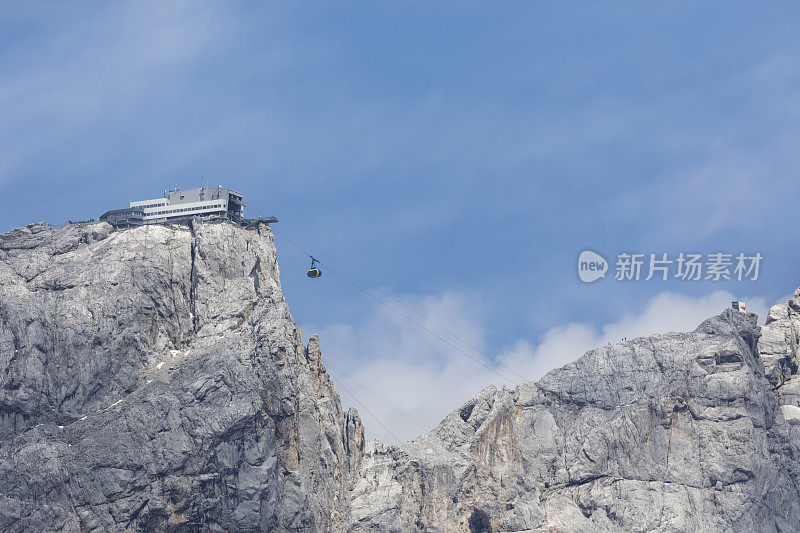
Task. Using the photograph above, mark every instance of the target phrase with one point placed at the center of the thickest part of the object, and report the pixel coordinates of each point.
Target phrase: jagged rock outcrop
(153, 379)
(674, 432)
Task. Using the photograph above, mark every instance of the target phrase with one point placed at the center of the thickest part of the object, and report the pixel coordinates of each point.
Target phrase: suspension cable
(375, 287)
(378, 420)
(421, 326)
(386, 401)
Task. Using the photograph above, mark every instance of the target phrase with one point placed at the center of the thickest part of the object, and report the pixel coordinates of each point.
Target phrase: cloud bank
(404, 380)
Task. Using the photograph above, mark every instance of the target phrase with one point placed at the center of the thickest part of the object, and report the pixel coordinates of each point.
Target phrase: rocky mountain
(674, 432)
(153, 380)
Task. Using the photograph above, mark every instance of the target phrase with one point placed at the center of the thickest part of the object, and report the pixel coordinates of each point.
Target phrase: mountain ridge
(154, 380)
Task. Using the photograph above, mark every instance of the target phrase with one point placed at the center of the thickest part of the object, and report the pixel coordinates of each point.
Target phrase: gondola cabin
(314, 272)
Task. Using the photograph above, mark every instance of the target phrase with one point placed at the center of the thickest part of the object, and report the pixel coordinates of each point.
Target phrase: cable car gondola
(314, 272)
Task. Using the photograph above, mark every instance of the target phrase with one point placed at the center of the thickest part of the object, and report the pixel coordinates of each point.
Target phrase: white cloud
(395, 367)
(663, 313)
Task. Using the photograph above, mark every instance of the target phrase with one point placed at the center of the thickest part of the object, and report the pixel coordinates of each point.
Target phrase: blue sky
(460, 156)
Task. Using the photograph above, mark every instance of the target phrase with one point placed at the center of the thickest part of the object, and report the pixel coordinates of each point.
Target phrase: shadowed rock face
(675, 432)
(153, 379)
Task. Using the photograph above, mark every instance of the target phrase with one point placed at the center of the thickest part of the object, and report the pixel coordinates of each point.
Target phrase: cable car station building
(179, 206)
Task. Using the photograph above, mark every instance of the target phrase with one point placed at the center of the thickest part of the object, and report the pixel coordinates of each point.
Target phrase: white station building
(179, 206)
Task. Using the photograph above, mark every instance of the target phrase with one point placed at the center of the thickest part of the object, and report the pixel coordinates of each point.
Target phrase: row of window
(152, 205)
(125, 214)
(171, 211)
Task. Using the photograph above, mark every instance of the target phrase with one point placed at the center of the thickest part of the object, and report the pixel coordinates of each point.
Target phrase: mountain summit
(153, 379)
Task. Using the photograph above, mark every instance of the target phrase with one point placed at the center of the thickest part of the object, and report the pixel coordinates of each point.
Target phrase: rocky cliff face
(675, 432)
(153, 380)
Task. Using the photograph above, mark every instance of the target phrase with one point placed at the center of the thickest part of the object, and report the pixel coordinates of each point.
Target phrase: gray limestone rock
(674, 432)
(153, 380)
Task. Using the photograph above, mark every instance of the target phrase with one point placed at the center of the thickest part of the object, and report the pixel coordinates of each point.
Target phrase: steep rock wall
(153, 379)
(674, 432)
